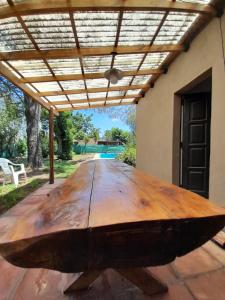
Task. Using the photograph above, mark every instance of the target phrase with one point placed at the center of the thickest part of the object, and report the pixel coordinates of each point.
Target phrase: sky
(103, 121)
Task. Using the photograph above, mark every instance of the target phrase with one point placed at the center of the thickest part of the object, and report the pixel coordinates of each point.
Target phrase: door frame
(177, 122)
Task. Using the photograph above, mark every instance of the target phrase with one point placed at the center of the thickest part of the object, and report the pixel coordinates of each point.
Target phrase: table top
(107, 205)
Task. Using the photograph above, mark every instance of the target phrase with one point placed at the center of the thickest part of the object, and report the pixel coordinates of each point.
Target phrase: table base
(140, 277)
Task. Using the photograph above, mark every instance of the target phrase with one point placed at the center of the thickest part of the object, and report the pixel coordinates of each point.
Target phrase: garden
(24, 138)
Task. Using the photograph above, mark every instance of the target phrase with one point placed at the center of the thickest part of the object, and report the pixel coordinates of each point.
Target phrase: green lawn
(10, 195)
(62, 168)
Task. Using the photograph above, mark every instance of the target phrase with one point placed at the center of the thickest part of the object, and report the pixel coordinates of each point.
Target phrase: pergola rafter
(95, 51)
(62, 102)
(95, 90)
(41, 6)
(87, 76)
(93, 106)
(58, 51)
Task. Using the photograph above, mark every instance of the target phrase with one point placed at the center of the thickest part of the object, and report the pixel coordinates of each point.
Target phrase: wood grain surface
(107, 214)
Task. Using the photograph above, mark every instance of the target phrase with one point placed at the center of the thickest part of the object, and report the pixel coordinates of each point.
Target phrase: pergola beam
(87, 76)
(43, 6)
(51, 146)
(95, 51)
(93, 106)
(64, 102)
(95, 90)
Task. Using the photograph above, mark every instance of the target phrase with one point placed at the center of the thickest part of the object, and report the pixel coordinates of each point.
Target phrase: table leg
(83, 281)
(144, 280)
(140, 277)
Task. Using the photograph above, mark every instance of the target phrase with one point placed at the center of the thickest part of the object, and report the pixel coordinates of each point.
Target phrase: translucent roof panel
(96, 83)
(133, 92)
(3, 3)
(124, 81)
(72, 84)
(128, 62)
(12, 36)
(141, 79)
(17, 1)
(65, 66)
(77, 97)
(52, 39)
(196, 1)
(46, 86)
(174, 27)
(128, 100)
(95, 64)
(154, 60)
(57, 98)
(97, 95)
(63, 106)
(51, 31)
(30, 68)
(96, 103)
(81, 105)
(116, 93)
(96, 29)
(113, 101)
(139, 27)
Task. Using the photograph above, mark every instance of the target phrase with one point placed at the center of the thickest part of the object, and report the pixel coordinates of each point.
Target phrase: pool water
(107, 155)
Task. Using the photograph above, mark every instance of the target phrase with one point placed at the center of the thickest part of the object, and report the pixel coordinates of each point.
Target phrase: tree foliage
(10, 121)
(117, 135)
(15, 108)
(126, 114)
(65, 133)
(84, 128)
(129, 156)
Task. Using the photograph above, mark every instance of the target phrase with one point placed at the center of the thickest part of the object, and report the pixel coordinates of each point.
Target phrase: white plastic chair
(9, 171)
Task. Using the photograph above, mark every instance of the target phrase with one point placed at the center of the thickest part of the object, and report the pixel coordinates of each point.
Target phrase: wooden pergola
(57, 51)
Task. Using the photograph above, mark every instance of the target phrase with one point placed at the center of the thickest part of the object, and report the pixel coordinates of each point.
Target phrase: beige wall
(156, 112)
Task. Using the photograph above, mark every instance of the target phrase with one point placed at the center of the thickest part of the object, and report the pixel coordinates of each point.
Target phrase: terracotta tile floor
(200, 275)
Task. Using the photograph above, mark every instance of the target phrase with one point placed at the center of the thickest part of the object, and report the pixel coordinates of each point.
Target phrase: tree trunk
(33, 115)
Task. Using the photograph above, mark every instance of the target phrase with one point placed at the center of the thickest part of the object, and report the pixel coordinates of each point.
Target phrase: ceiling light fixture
(113, 75)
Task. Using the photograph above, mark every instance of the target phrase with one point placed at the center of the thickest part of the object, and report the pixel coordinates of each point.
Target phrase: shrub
(45, 145)
(128, 156)
(21, 147)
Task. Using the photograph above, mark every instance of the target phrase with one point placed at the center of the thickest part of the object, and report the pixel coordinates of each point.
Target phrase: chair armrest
(22, 167)
(15, 164)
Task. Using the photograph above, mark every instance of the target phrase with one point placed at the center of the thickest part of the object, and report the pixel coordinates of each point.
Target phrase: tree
(64, 130)
(31, 110)
(33, 116)
(95, 134)
(11, 117)
(130, 120)
(127, 114)
(117, 135)
(9, 127)
(83, 126)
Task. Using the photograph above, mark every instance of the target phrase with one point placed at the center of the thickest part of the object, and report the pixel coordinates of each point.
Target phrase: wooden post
(51, 146)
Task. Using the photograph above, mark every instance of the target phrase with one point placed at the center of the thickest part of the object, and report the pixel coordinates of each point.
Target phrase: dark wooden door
(195, 143)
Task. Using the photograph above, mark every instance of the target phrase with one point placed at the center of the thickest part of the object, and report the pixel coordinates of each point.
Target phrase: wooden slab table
(108, 215)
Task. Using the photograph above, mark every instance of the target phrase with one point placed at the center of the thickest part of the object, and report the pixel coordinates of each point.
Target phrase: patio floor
(198, 275)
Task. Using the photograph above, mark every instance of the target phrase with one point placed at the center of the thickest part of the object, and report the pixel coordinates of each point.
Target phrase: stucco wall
(156, 112)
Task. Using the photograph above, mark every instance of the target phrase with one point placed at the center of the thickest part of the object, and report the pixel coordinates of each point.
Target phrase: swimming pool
(107, 155)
